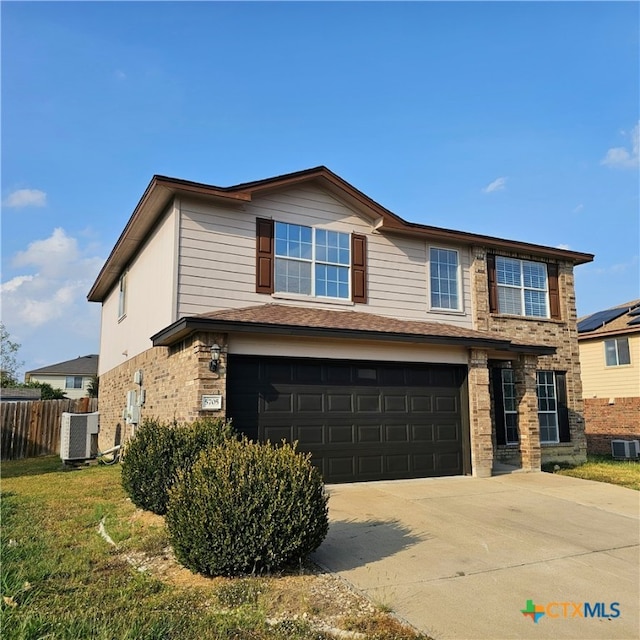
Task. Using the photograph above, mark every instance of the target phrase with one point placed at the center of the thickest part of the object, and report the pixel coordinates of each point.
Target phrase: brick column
(525, 372)
(208, 382)
(480, 414)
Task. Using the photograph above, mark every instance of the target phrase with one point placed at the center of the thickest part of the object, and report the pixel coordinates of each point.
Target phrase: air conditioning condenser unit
(79, 436)
(626, 449)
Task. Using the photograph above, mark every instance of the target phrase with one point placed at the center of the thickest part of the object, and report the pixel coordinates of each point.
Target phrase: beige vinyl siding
(217, 258)
(59, 382)
(301, 347)
(600, 381)
(149, 298)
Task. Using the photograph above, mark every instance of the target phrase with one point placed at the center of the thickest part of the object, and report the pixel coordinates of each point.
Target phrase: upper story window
(122, 295)
(522, 287)
(444, 277)
(313, 262)
(302, 260)
(616, 352)
(73, 382)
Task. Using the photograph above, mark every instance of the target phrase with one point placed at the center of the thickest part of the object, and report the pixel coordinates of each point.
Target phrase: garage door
(359, 420)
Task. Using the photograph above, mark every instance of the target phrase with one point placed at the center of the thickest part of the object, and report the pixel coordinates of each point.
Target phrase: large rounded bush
(245, 508)
(159, 450)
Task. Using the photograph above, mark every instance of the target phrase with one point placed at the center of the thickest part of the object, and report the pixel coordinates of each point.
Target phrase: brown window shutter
(264, 255)
(554, 290)
(493, 287)
(358, 268)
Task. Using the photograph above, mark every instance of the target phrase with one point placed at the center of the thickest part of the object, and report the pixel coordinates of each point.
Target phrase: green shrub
(158, 450)
(247, 508)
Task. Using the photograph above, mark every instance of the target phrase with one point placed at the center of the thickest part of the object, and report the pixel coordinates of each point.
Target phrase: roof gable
(81, 366)
(163, 189)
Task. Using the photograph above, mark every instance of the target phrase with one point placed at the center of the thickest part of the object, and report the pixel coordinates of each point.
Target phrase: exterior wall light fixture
(215, 357)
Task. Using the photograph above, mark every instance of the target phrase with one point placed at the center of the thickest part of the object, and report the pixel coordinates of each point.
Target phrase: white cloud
(578, 209)
(566, 247)
(618, 268)
(63, 273)
(623, 158)
(14, 283)
(497, 185)
(26, 198)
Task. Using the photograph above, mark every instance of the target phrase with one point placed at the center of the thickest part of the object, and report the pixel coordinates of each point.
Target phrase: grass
(625, 473)
(61, 580)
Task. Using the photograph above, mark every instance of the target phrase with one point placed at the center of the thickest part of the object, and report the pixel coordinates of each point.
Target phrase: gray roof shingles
(82, 366)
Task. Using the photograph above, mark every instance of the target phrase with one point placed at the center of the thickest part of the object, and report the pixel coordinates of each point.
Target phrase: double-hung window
(510, 402)
(547, 406)
(522, 287)
(313, 262)
(73, 382)
(616, 352)
(444, 274)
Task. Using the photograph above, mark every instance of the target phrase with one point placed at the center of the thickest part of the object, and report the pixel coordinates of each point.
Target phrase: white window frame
(432, 306)
(521, 287)
(122, 296)
(74, 378)
(313, 261)
(553, 412)
(617, 363)
(509, 412)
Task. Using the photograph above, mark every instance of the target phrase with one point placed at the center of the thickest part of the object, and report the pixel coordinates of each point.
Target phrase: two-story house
(304, 310)
(74, 377)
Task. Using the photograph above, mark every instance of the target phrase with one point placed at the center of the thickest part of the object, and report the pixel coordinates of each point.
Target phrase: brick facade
(606, 421)
(561, 334)
(480, 414)
(174, 379)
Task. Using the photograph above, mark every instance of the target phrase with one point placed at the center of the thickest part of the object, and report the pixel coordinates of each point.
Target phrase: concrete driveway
(461, 557)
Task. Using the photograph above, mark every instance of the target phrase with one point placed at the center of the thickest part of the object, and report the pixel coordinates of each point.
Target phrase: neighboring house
(387, 349)
(72, 376)
(609, 344)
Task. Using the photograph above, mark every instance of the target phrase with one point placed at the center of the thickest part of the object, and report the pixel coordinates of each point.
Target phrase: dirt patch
(310, 594)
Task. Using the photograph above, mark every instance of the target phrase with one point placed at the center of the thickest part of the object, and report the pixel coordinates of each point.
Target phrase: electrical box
(132, 415)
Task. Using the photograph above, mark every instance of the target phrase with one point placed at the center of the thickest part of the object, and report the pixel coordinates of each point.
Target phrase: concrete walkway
(460, 557)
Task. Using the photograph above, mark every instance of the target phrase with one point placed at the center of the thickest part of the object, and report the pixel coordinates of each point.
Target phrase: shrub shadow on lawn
(351, 543)
(31, 466)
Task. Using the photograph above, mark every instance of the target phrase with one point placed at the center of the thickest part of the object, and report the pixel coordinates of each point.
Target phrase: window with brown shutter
(264, 255)
(359, 268)
(520, 287)
(311, 257)
(554, 291)
(493, 288)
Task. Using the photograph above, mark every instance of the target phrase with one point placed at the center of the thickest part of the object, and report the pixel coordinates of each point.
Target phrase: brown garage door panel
(359, 420)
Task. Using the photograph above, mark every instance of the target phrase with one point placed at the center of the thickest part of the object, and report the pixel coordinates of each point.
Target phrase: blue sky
(518, 120)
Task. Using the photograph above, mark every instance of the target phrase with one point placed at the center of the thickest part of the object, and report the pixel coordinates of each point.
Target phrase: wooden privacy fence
(32, 428)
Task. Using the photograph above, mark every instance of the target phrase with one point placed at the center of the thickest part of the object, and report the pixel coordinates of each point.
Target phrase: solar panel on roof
(635, 312)
(600, 318)
(634, 321)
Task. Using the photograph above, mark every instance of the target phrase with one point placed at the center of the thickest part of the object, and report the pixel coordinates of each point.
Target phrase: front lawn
(626, 473)
(62, 580)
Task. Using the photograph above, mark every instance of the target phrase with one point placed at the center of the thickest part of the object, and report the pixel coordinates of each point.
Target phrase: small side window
(122, 296)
